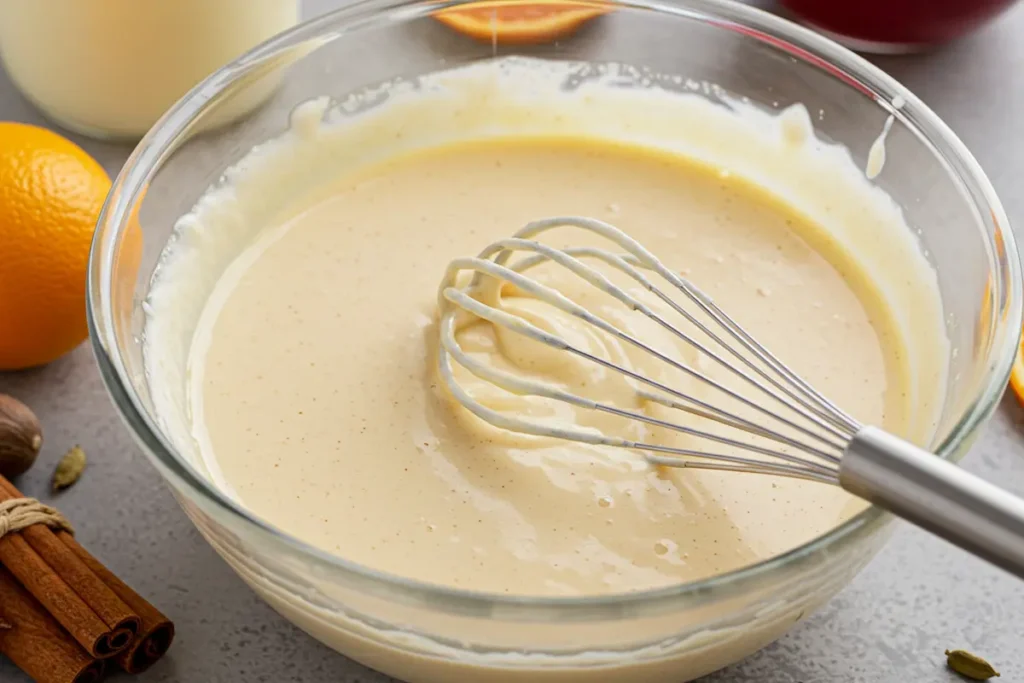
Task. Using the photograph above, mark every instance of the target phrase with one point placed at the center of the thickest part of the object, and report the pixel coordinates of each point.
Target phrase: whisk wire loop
(555, 298)
(826, 426)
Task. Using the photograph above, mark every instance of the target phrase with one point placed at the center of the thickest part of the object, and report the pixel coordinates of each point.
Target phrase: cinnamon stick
(36, 643)
(117, 615)
(78, 599)
(157, 630)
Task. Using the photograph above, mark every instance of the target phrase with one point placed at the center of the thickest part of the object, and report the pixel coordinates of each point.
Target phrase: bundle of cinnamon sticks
(63, 615)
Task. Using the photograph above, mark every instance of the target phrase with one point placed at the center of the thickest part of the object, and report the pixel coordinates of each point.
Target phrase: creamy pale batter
(292, 331)
(317, 398)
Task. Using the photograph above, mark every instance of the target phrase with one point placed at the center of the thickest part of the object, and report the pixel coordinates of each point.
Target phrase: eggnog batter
(317, 395)
(291, 341)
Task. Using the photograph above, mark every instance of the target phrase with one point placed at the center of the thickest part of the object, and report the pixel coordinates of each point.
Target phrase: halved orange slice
(521, 22)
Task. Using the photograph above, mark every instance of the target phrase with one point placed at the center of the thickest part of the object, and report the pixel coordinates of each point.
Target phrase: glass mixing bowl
(426, 633)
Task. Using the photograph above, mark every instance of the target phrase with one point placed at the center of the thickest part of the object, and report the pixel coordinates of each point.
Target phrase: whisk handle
(936, 495)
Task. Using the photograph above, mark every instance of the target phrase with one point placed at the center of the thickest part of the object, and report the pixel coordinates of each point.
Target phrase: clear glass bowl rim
(726, 14)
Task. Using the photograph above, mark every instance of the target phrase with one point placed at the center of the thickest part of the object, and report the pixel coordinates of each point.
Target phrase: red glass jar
(895, 25)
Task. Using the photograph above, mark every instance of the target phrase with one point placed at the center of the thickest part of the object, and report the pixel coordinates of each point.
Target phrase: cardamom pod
(69, 469)
(970, 665)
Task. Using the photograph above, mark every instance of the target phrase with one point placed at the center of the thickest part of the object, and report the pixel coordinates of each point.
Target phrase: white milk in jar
(110, 68)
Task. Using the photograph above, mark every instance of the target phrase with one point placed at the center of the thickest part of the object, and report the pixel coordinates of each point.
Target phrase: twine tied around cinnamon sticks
(64, 613)
(21, 513)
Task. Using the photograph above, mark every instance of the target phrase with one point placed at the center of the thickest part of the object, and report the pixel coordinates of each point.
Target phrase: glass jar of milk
(110, 68)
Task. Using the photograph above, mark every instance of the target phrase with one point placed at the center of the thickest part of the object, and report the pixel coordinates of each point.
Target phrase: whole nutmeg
(21, 436)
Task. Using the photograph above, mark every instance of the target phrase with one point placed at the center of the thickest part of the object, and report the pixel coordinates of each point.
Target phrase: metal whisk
(774, 422)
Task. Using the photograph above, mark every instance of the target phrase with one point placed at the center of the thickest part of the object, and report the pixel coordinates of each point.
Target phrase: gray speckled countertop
(890, 626)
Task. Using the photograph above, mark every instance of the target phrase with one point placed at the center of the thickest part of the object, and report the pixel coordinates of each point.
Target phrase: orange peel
(1017, 374)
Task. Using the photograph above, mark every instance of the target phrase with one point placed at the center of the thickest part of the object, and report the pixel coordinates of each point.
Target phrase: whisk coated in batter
(753, 415)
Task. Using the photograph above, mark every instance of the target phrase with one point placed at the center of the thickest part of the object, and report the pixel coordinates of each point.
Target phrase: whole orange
(51, 193)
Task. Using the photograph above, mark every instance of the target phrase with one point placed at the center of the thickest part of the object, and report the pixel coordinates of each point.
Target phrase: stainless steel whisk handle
(936, 495)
